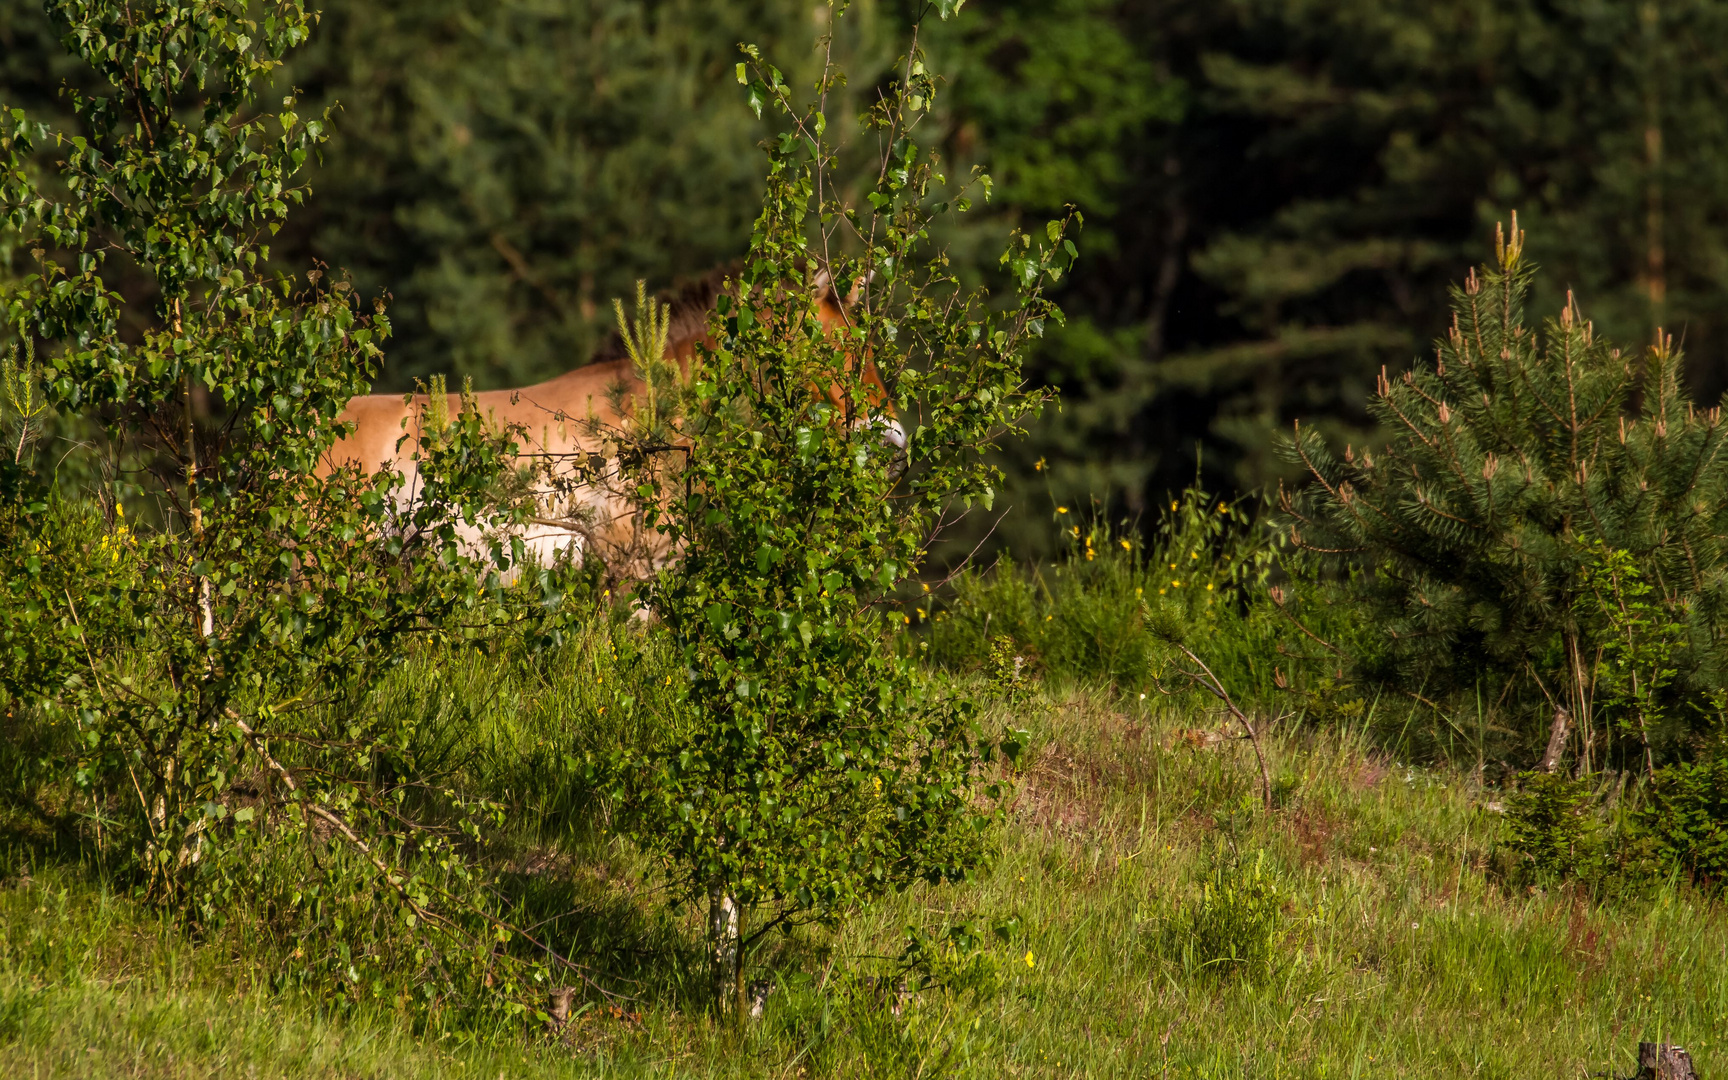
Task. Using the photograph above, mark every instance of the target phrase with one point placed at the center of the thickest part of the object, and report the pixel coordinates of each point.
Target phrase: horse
(565, 420)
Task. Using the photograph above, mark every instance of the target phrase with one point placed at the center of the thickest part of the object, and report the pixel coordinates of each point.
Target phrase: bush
(816, 771)
(209, 652)
(1233, 928)
(1551, 823)
(1688, 817)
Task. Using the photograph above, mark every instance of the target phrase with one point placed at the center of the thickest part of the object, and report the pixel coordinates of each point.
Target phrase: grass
(1394, 946)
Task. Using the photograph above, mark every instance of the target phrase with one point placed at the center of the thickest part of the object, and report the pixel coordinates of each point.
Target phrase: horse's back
(377, 422)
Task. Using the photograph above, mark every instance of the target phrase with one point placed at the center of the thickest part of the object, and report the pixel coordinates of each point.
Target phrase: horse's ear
(824, 284)
(859, 284)
(823, 280)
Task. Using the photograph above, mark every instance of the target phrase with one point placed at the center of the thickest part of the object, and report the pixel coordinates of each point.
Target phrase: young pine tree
(1511, 464)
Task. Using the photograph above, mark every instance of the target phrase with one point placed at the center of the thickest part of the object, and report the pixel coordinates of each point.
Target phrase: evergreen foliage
(1551, 823)
(508, 169)
(1512, 464)
(1278, 192)
(1688, 817)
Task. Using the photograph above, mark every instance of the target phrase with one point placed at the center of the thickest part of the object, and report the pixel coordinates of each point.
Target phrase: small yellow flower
(1126, 546)
(1137, 592)
(1175, 584)
(1172, 506)
(1047, 618)
(1061, 509)
(1208, 587)
(1039, 465)
(926, 586)
(1028, 957)
(908, 619)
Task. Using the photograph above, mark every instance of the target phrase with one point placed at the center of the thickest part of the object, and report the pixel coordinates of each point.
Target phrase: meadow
(311, 768)
(1144, 914)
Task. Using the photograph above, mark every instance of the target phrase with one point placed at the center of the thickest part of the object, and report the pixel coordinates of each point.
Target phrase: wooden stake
(1556, 741)
(1660, 1061)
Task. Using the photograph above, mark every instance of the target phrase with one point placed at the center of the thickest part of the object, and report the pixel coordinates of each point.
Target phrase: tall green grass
(1084, 617)
(1382, 941)
(1153, 919)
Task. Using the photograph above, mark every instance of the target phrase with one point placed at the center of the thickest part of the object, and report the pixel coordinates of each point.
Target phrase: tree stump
(559, 1014)
(1556, 741)
(1660, 1061)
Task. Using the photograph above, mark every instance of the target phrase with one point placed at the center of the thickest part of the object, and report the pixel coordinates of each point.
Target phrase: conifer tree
(1514, 463)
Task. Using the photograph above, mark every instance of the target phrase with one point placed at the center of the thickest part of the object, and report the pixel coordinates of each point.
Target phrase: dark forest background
(1277, 192)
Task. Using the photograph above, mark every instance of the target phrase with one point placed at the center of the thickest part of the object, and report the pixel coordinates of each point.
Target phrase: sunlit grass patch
(1384, 942)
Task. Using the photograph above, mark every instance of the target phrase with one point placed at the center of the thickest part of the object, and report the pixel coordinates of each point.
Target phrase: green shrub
(1688, 817)
(815, 770)
(1233, 928)
(1550, 822)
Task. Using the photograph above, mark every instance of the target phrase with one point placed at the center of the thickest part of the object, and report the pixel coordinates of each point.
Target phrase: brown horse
(564, 420)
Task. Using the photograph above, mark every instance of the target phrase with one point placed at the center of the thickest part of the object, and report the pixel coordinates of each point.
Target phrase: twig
(1209, 682)
(1277, 596)
(331, 818)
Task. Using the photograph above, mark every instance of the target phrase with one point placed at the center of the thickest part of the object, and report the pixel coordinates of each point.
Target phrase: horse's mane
(689, 303)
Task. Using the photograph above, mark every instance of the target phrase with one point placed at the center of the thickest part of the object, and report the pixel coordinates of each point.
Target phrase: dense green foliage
(1688, 817)
(198, 621)
(1278, 190)
(817, 772)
